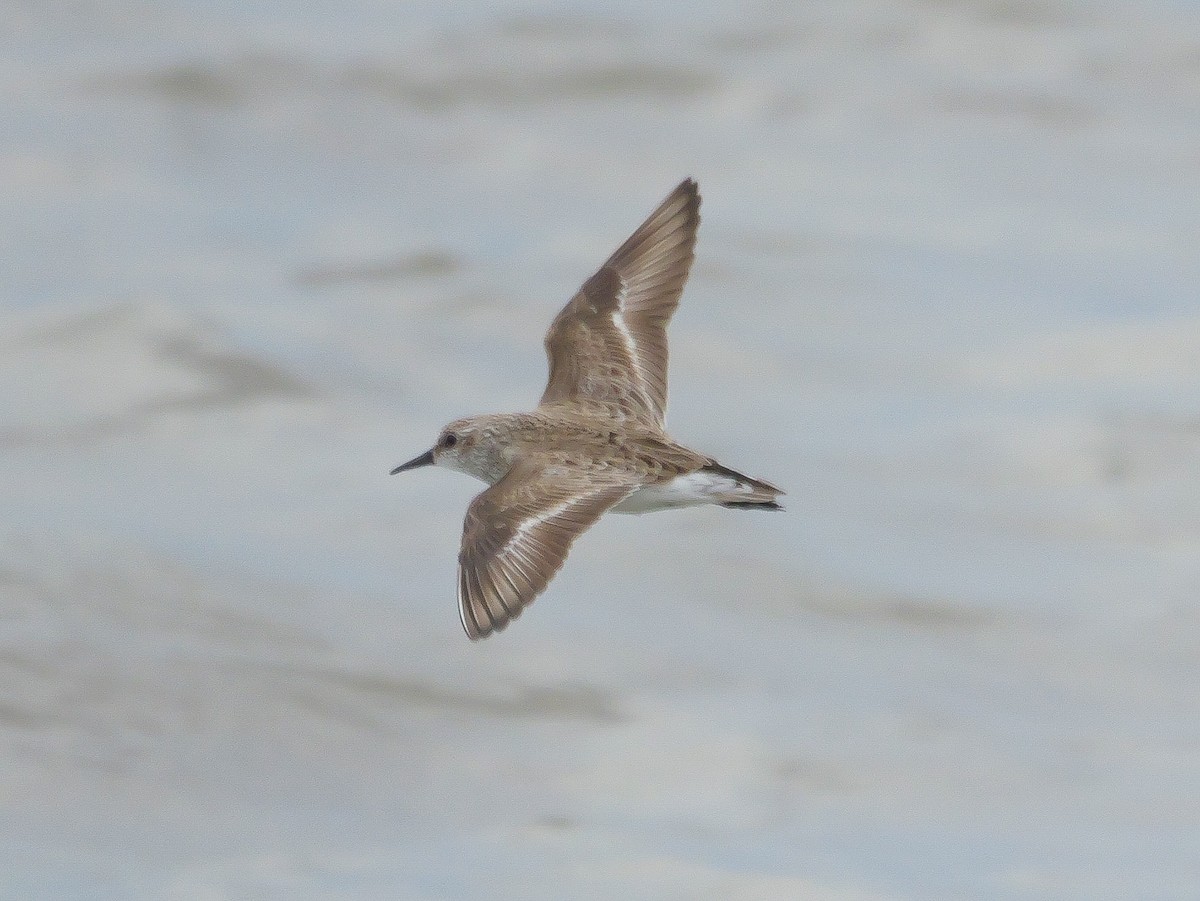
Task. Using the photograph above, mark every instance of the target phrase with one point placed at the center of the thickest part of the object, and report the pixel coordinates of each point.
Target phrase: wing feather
(608, 345)
(517, 534)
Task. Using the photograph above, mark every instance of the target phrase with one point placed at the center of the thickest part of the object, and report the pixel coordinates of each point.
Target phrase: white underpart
(691, 490)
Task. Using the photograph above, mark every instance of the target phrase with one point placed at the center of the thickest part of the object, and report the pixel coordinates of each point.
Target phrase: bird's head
(468, 445)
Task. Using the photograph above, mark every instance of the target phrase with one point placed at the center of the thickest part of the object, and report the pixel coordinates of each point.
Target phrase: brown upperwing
(609, 343)
(517, 534)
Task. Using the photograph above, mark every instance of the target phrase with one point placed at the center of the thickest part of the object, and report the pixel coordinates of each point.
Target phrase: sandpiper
(596, 441)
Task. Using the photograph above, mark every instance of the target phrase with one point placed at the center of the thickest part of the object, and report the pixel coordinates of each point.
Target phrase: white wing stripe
(513, 545)
(634, 358)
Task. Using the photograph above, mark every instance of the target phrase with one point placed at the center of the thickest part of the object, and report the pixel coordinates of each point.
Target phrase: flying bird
(596, 441)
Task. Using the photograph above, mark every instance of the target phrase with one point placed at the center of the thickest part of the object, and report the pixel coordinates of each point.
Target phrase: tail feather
(748, 493)
(751, 505)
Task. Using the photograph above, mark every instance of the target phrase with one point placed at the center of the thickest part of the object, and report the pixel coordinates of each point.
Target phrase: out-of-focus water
(946, 295)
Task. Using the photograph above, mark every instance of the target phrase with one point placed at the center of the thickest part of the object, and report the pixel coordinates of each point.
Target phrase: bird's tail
(745, 493)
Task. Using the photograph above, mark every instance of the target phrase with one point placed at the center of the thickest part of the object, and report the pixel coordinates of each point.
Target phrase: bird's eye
(450, 440)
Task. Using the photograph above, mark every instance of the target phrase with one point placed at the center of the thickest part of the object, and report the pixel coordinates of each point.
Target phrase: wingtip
(689, 188)
(477, 620)
(683, 201)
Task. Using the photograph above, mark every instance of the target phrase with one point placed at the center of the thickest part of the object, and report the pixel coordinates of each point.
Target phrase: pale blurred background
(946, 296)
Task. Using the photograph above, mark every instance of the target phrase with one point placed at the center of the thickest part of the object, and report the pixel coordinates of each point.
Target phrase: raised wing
(609, 344)
(517, 534)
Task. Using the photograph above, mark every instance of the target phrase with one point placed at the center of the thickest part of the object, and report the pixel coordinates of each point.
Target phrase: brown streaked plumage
(596, 441)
